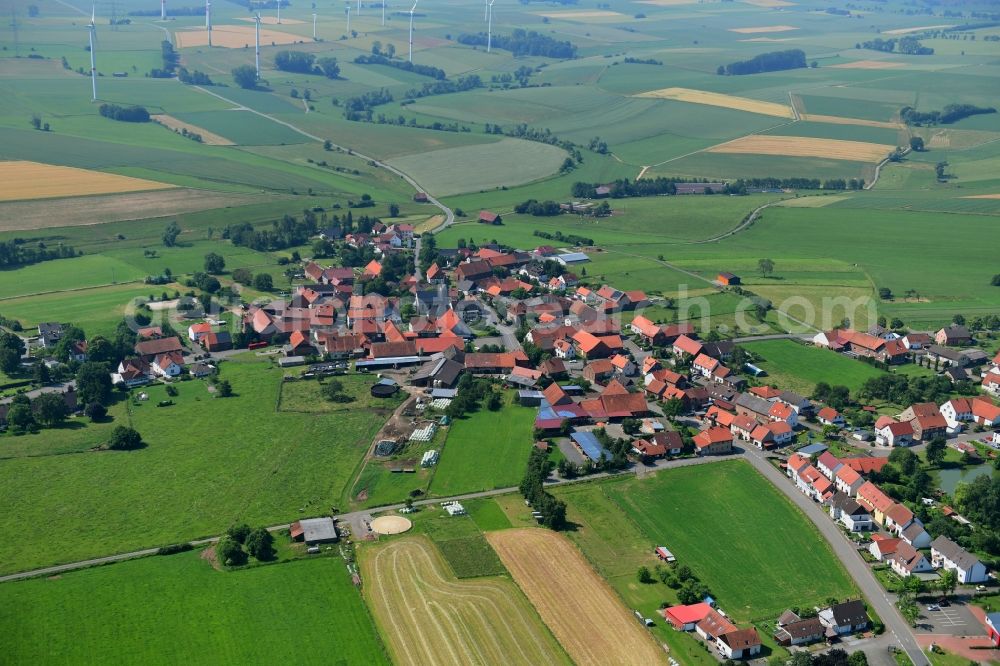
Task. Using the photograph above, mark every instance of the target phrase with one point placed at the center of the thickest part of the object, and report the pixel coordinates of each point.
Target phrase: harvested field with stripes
(582, 610)
(720, 99)
(208, 138)
(427, 617)
(34, 180)
(798, 146)
(763, 29)
(839, 120)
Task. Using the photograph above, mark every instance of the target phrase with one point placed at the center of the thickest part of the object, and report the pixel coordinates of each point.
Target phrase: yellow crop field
(869, 64)
(840, 120)
(208, 138)
(763, 28)
(233, 37)
(428, 617)
(799, 146)
(34, 180)
(720, 99)
(580, 608)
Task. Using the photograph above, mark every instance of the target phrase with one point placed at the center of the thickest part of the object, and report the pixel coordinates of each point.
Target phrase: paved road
(846, 551)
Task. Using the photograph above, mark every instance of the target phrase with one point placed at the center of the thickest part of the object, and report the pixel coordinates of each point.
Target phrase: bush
(238, 533)
(174, 549)
(95, 411)
(124, 438)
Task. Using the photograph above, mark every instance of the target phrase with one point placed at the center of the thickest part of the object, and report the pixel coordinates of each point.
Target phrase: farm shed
(291, 361)
(728, 279)
(567, 258)
(313, 530)
(588, 443)
(488, 217)
(530, 398)
(387, 362)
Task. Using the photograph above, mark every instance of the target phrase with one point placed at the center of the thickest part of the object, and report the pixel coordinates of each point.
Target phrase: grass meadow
(485, 450)
(798, 367)
(774, 558)
(182, 610)
(208, 462)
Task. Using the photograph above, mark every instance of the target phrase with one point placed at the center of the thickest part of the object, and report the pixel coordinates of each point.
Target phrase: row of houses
(713, 627)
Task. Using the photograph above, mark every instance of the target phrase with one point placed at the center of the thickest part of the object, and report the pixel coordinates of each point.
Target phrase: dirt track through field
(208, 138)
(427, 617)
(33, 180)
(720, 99)
(799, 146)
(579, 607)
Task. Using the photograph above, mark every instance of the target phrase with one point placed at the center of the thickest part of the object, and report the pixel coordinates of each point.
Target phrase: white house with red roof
(783, 412)
(170, 364)
(704, 365)
(828, 464)
(890, 432)
(685, 345)
(847, 480)
(957, 411)
(985, 413)
(830, 416)
(991, 382)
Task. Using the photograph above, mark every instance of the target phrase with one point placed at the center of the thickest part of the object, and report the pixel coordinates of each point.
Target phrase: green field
(305, 396)
(774, 557)
(208, 463)
(799, 367)
(485, 450)
(180, 609)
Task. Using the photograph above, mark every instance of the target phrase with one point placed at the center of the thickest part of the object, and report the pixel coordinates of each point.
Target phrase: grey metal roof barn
(314, 530)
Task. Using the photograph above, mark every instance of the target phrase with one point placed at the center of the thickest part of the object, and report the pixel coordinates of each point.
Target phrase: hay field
(77, 212)
(720, 99)
(813, 202)
(208, 138)
(763, 29)
(581, 609)
(22, 179)
(798, 146)
(840, 120)
(232, 37)
(769, 3)
(982, 196)
(427, 617)
(869, 64)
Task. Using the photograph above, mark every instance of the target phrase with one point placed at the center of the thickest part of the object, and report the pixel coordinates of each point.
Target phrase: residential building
(953, 335)
(739, 644)
(846, 617)
(847, 511)
(907, 561)
(890, 432)
(947, 554)
(714, 441)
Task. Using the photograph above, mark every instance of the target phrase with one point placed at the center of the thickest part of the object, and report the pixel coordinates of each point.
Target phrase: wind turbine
(383, 12)
(489, 24)
(359, 7)
(348, 5)
(256, 20)
(279, 12)
(412, 9)
(208, 20)
(486, 11)
(92, 28)
(314, 21)
(163, 10)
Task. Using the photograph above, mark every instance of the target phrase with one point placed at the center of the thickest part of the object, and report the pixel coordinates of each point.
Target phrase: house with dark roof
(846, 510)
(953, 335)
(739, 644)
(846, 617)
(946, 554)
(150, 349)
(49, 333)
(798, 631)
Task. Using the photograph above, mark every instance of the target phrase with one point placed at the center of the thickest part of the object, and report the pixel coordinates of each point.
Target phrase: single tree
(263, 282)
(95, 411)
(643, 575)
(393, 210)
(230, 553)
(124, 438)
(935, 451)
(171, 233)
(948, 581)
(40, 374)
(766, 267)
(10, 360)
(93, 383)
(215, 263)
(260, 544)
(238, 533)
(243, 276)
(224, 389)
(916, 144)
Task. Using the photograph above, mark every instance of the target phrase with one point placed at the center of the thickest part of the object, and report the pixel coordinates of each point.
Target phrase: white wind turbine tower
(279, 12)
(489, 25)
(348, 5)
(163, 10)
(412, 9)
(383, 12)
(359, 7)
(208, 20)
(256, 20)
(314, 21)
(486, 11)
(92, 29)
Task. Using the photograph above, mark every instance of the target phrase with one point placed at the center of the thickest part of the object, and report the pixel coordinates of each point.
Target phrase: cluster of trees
(544, 135)
(537, 208)
(523, 43)
(360, 107)
(835, 657)
(240, 542)
(904, 390)
(522, 74)
(553, 510)
(951, 113)
(445, 87)
(204, 282)
(378, 59)
(260, 282)
(170, 61)
(774, 61)
(36, 122)
(287, 232)
(16, 253)
(128, 114)
(571, 239)
(625, 187)
(48, 409)
(333, 391)
(743, 185)
(471, 393)
(306, 63)
(844, 184)
(836, 396)
(907, 46)
(196, 78)
(245, 76)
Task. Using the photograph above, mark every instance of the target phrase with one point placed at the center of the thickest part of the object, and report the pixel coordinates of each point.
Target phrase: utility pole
(15, 27)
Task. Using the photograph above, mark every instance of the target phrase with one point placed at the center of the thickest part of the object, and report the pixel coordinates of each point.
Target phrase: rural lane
(449, 214)
(847, 553)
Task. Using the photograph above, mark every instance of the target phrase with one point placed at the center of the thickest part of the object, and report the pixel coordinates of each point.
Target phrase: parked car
(933, 607)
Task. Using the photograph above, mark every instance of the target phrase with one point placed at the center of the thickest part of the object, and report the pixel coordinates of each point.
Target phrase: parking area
(954, 619)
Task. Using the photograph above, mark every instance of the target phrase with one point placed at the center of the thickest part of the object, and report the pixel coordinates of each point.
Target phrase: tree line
(16, 253)
(306, 63)
(128, 114)
(571, 239)
(951, 113)
(287, 232)
(906, 45)
(532, 489)
(170, 61)
(523, 42)
(774, 61)
(405, 65)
